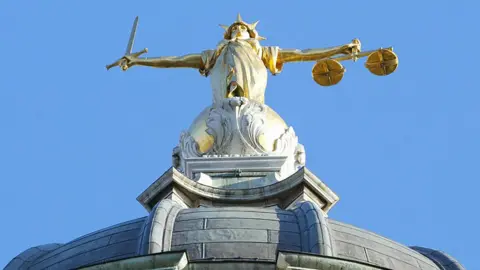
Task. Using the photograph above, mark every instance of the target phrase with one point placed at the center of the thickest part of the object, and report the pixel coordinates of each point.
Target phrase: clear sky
(78, 143)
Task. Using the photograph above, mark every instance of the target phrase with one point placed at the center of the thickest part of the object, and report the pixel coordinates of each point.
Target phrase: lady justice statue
(238, 66)
(239, 123)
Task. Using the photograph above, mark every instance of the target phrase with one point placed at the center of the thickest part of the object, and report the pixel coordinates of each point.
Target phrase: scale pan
(328, 72)
(382, 62)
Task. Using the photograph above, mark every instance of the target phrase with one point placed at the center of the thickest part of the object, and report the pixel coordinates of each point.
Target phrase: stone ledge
(233, 164)
(301, 182)
(283, 260)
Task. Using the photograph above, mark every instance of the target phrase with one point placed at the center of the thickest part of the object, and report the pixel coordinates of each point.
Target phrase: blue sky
(78, 143)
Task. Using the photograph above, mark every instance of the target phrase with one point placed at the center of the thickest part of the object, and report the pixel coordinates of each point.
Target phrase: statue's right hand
(127, 62)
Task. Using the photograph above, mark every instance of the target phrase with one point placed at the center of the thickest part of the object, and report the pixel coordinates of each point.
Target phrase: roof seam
(367, 232)
(90, 250)
(44, 259)
(93, 233)
(102, 261)
(110, 235)
(379, 252)
(214, 229)
(110, 239)
(235, 228)
(123, 224)
(234, 242)
(352, 258)
(284, 212)
(398, 244)
(236, 218)
(16, 258)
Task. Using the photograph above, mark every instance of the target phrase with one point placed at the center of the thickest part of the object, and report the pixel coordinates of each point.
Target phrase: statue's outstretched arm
(186, 61)
(289, 55)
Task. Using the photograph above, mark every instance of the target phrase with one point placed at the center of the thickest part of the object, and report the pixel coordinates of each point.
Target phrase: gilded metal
(358, 55)
(198, 131)
(328, 72)
(275, 126)
(379, 62)
(128, 51)
(382, 62)
(238, 68)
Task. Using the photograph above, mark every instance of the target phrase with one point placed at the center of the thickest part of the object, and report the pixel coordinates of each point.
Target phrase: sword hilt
(122, 63)
(117, 63)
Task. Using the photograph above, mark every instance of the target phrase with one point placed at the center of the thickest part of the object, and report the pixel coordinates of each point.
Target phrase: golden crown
(250, 26)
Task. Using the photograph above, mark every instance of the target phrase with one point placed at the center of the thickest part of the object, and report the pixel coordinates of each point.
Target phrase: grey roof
(231, 233)
(116, 242)
(235, 232)
(353, 243)
(28, 256)
(442, 259)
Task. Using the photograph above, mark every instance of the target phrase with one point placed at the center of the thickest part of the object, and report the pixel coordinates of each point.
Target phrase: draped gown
(242, 61)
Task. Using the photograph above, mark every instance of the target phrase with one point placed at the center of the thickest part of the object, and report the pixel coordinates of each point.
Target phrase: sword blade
(132, 37)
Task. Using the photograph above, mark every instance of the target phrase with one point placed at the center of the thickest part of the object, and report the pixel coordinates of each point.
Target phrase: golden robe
(242, 61)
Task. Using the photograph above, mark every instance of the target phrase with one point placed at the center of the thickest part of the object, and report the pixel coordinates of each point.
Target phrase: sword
(131, 40)
(128, 52)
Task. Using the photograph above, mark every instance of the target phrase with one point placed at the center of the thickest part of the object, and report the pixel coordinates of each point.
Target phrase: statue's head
(241, 30)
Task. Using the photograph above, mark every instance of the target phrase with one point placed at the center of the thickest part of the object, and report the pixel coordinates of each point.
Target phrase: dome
(30, 255)
(112, 243)
(250, 234)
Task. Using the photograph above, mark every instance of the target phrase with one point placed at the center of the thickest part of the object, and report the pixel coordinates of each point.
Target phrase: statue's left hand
(355, 46)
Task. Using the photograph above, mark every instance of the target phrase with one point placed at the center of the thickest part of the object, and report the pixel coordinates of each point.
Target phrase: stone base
(235, 172)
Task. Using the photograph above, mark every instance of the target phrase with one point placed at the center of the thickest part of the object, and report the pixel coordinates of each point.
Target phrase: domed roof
(30, 255)
(112, 243)
(249, 233)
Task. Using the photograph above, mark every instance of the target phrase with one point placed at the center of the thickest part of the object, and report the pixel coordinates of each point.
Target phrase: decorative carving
(238, 127)
(187, 148)
(287, 143)
(176, 159)
(188, 145)
(220, 127)
(300, 157)
(252, 125)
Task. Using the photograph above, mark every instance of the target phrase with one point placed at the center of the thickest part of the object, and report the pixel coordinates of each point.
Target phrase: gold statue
(238, 66)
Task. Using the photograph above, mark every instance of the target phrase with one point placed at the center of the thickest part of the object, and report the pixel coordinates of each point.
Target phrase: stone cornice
(294, 183)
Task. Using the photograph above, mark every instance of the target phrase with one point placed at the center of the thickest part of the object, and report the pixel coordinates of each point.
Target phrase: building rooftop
(248, 233)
